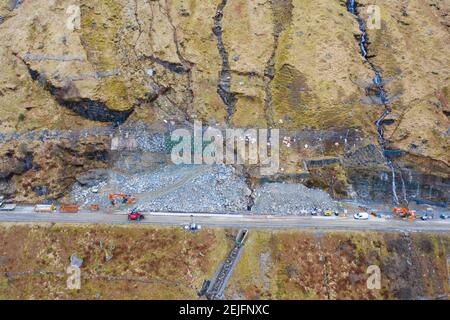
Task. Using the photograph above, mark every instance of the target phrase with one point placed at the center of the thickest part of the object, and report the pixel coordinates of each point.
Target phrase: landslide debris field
(188, 188)
(144, 262)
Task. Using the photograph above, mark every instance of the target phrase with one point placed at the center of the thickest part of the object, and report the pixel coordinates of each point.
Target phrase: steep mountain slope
(288, 64)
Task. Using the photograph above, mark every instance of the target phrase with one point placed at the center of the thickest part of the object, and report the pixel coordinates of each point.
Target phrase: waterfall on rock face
(405, 197)
(380, 93)
(394, 187)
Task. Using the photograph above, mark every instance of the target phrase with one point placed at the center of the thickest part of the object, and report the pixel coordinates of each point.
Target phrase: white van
(361, 216)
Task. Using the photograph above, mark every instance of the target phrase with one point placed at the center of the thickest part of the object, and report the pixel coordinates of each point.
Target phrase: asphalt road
(26, 214)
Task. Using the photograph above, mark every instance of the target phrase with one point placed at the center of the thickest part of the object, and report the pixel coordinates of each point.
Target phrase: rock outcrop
(288, 64)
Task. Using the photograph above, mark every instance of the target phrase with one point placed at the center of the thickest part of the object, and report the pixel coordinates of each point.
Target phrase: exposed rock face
(33, 170)
(92, 177)
(418, 75)
(289, 64)
(412, 48)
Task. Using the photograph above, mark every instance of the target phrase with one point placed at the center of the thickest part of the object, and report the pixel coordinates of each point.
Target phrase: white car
(361, 216)
(7, 206)
(193, 227)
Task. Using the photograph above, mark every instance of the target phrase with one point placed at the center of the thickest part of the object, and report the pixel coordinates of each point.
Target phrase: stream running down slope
(224, 85)
(378, 82)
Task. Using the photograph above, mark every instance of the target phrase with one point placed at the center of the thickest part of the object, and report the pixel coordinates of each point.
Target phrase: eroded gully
(352, 7)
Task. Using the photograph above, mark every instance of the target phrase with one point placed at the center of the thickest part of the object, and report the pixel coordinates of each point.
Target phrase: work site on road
(27, 214)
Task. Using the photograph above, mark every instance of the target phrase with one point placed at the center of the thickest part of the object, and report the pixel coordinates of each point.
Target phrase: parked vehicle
(328, 213)
(445, 216)
(44, 208)
(7, 206)
(361, 216)
(69, 208)
(135, 215)
(426, 217)
(193, 227)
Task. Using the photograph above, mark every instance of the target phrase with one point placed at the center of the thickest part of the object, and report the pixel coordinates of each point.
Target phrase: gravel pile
(174, 188)
(291, 199)
(219, 192)
(84, 195)
(147, 139)
(199, 188)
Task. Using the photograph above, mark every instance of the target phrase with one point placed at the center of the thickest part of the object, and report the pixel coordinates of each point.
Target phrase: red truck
(135, 215)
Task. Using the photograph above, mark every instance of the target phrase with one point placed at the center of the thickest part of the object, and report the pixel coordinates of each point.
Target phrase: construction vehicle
(69, 208)
(126, 198)
(403, 213)
(44, 208)
(135, 215)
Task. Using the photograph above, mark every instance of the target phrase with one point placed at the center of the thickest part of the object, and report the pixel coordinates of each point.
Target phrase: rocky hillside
(137, 262)
(333, 265)
(288, 64)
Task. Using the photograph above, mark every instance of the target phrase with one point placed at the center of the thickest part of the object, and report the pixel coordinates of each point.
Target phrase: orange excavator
(125, 198)
(403, 213)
